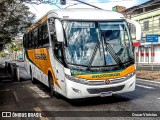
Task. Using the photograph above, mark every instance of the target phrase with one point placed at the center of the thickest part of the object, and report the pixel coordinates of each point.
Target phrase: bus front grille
(102, 82)
(99, 90)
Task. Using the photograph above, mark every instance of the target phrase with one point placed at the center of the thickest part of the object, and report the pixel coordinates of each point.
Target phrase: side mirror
(59, 31)
(138, 28)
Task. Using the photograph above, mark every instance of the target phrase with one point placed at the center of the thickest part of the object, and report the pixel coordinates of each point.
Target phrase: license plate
(105, 94)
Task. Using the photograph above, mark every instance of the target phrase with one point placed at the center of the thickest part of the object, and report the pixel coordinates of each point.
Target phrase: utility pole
(88, 4)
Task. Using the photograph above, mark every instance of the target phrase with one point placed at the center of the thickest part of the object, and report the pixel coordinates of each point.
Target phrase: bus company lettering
(106, 75)
(40, 56)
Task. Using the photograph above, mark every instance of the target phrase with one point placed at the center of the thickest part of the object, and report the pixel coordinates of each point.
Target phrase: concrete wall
(154, 28)
(145, 54)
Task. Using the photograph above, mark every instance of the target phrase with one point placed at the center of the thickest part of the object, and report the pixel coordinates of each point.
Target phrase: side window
(57, 46)
(30, 42)
(26, 41)
(58, 51)
(35, 38)
(52, 30)
(45, 35)
(32, 37)
(40, 37)
(146, 25)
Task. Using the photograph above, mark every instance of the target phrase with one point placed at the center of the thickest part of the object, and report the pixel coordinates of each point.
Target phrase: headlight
(130, 75)
(78, 80)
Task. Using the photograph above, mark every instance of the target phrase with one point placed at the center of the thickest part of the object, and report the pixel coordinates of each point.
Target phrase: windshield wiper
(111, 51)
(93, 55)
(113, 54)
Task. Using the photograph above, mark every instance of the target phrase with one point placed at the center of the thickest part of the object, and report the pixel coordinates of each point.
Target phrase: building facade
(148, 15)
(118, 8)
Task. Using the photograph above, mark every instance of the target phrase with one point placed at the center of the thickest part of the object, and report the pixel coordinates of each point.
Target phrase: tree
(3, 54)
(14, 47)
(15, 17)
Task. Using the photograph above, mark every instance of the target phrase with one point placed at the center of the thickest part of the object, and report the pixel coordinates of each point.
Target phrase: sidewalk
(8, 92)
(148, 67)
(4, 75)
(7, 100)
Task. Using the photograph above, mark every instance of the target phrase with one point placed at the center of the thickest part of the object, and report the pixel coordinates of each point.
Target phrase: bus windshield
(97, 43)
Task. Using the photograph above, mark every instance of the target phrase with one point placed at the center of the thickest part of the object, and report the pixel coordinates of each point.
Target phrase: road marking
(9, 80)
(40, 92)
(15, 95)
(37, 109)
(149, 81)
(5, 90)
(158, 98)
(145, 86)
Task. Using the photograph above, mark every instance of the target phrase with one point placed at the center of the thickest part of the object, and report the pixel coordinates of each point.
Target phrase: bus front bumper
(76, 90)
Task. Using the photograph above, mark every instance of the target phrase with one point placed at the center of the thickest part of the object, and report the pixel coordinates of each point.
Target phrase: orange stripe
(43, 63)
(37, 24)
(110, 75)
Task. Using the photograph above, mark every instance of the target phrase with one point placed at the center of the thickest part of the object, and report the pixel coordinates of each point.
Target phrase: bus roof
(86, 14)
(79, 14)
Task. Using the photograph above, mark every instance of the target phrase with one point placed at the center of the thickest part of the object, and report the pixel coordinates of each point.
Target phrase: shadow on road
(97, 100)
(137, 94)
(117, 98)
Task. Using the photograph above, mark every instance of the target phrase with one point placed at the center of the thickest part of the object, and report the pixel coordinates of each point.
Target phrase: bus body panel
(58, 70)
(76, 90)
(42, 60)
(106, 75)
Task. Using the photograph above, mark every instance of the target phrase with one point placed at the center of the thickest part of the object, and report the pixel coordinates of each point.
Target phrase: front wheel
(52, 88)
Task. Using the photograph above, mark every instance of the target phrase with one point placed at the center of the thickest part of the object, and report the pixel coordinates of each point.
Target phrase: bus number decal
(106, 75)
(40, 56)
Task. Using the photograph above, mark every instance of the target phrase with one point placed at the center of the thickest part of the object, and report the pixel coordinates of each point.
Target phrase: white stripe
(158, 98)
(148, 81)
(145, 86)
(5, 90)
(40, 92)
(15, 95)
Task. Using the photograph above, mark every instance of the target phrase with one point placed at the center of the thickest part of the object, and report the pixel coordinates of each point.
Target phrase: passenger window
(52, 30)
(57, 46)
(30, 40)
(40, 38)
(35, 38)
(26, 41)
(45, 36)
(58, 51)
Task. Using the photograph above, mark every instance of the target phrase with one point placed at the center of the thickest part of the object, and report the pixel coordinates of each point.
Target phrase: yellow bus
(81, 53)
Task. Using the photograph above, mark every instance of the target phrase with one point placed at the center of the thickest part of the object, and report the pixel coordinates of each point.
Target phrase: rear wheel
(52, 87)
(32, 78)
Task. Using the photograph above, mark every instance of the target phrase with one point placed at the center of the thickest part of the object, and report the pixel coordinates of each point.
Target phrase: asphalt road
(25, 96)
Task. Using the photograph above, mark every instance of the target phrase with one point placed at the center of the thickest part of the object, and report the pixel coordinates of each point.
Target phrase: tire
(52, 88)
(32, 78)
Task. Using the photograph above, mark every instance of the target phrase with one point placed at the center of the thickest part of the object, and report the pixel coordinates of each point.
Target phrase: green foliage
(2, 54)
(14, 47)
(15, 17)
